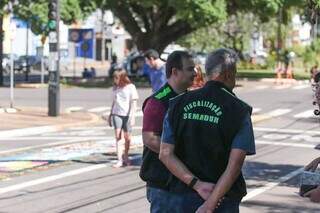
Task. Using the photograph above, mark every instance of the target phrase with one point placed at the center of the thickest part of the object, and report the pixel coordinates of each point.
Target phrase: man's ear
(174, 71)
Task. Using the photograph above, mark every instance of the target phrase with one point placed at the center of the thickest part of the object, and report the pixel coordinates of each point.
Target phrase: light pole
(54, 76)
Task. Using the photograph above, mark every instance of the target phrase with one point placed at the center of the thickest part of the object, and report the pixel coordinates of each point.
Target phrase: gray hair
(220, 60)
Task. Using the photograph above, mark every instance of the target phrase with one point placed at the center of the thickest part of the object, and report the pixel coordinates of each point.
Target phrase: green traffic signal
(52, 24)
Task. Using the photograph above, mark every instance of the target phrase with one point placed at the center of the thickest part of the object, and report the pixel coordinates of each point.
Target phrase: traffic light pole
(54, 75)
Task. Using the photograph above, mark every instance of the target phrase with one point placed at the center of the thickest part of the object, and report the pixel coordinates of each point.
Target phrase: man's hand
(204, 189)
(205, 208)
(313, 165)
(314, 195)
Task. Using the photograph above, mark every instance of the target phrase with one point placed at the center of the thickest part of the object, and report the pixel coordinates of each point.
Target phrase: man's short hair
(151, 53)
(175, 60)
(220, 60)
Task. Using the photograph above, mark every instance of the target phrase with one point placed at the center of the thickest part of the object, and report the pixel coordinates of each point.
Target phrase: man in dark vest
(206, 136)
(180, 74)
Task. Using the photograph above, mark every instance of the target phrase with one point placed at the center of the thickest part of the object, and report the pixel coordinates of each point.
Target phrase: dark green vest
(205, 122)
(152, 169)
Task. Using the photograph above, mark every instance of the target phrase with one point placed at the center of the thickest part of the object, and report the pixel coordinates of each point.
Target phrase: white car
(169, 49)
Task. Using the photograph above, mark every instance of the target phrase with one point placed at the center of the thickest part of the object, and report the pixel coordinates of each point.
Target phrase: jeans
(192, 201)
(162, 201)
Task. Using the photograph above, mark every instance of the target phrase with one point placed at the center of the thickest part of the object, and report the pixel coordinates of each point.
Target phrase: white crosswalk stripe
(73, 109)
(261, 87)
(255, 110)
(301, 87)
(282, 87)
(99, 109)
(305, 114)
(278, 112)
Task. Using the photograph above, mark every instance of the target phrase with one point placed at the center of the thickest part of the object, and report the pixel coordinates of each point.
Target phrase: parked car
(6, 63)
(31, 62)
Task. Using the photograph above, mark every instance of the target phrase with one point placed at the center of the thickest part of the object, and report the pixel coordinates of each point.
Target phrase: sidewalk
(33, 120)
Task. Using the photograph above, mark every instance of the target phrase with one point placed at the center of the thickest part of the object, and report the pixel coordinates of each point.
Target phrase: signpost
(13, 30)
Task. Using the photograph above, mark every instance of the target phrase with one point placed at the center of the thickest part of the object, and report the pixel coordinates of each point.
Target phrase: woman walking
(122, 114)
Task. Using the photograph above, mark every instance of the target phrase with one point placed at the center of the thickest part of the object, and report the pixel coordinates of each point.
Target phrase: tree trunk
(1, 49)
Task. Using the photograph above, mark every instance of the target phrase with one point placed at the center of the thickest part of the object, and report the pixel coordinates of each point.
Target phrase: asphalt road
(69, 171)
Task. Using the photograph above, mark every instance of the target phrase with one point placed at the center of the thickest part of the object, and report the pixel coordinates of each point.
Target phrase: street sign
(74, 35)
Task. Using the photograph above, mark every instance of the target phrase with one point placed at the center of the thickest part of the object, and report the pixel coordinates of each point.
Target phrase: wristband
(193, 182)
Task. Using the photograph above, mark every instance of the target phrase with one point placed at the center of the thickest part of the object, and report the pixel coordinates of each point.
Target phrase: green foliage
(36, 13)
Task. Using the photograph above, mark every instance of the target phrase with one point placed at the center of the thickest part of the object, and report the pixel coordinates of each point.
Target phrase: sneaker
(118, 164)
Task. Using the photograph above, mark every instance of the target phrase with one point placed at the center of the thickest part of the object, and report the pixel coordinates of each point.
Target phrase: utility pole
(103, 48)
(279, 43)
(54, 75)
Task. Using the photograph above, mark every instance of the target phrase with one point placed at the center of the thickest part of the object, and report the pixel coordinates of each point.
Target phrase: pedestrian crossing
(298, 114)
(278, 87)
(98, 110)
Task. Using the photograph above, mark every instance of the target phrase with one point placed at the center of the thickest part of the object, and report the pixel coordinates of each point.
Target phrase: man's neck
(158, 64)
(176, 87)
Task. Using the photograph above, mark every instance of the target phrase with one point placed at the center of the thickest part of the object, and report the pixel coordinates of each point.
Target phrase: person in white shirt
(122, 114)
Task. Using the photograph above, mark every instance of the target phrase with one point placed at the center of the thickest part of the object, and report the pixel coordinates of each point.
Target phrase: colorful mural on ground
(15, 166)
(75, 151)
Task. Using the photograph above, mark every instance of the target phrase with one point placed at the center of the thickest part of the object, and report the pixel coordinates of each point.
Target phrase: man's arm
(227, 179)
(151, 140)
(153, 115)
(177, 168)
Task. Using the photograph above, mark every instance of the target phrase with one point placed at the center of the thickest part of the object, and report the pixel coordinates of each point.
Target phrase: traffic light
(52, 15)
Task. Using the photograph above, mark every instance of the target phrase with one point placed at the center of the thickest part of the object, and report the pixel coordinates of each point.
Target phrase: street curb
(31, 85)
(46, 129)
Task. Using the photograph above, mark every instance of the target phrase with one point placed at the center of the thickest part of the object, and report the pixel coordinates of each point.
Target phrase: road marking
(261, 87)
(99, 109)
(281, 87)
(271, 185)
(294, 131)
(27, 131)
(51, 178)
(301, 87)
(305, 114)
(54, 138)
(42, 145)
(73, 109)
(255, 110)
(302, 145)
(278, 112)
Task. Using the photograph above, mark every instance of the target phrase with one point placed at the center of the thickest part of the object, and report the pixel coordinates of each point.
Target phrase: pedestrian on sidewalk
(279, 70)
(156, 69)
(180, 74)
(122, 114)
(288, 61)
(206, 136)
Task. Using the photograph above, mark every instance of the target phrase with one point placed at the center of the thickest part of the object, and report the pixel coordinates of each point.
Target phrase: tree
(235, 32)
(157, 23)
(4, 10)
(35, 12)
